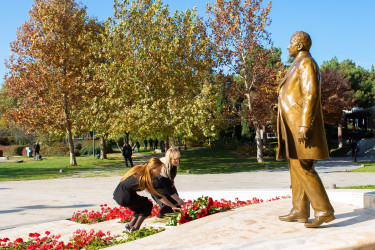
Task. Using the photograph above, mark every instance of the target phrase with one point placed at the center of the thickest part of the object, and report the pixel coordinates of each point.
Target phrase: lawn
(369, 167)
(212, 161)
(50, 168)
(204, 161)
(359, 187)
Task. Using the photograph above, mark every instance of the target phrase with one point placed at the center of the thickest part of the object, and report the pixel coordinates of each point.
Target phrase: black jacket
(165, 186)
(127, 151)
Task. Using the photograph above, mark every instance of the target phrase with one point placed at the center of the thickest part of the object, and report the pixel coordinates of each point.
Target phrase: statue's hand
(302, 134)
(274, 107)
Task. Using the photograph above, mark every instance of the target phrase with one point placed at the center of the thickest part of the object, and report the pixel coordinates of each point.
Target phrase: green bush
(109, 147)
(88, 151)
(340, 152)
(270, 152)
(14, 150)
(7, 140)
(54, 151)
(86, 146)
(77, 152)
(225, 143)
(78, 146)
(192, 142)
(247, 150)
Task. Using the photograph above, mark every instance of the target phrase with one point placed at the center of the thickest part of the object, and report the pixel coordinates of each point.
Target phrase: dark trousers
(308, 188)
(164, 209)
(130, 160)
(140, 205)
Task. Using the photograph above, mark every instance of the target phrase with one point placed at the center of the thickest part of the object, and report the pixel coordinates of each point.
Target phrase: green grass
(49, 167)
(369, 167)
(205, 161)
(212, 161)
(359, 187)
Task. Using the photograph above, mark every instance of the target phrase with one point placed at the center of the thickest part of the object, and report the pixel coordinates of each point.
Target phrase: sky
(338, 28)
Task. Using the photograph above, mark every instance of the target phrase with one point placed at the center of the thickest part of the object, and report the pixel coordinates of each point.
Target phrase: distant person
(36, 148)
(145, 144)
(156, 143)
(137, 179)
(151, 143)
(127, 152)
(353, 146)
(137, 145)
(162, 145)
(164, 182)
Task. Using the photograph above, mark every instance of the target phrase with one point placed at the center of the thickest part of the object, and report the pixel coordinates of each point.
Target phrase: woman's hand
(176, 209)
(181, 202)
(178, 199)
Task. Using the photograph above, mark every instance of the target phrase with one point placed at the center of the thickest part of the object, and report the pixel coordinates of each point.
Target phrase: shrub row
(13, 150)
(251, 150)
(7, 140)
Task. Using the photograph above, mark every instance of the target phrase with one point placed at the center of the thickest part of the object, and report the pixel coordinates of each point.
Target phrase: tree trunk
(127, 136)
(103, 148)
(259, 145)
(264, 135)
(73, 161)
(185, 143)
(339, 135)
(166, 143)
(118, 145)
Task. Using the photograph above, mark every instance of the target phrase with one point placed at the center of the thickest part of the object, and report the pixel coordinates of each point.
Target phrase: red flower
(210, 203)
(184, 218)
(47, 232)
(203, 213)
(19, 240)
(32, 247)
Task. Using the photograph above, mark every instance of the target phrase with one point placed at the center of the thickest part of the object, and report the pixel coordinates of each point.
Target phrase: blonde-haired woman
(136, 179)
(164, 182)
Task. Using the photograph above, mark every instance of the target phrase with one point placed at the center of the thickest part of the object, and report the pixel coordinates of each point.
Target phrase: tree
(156, 70)
(47, 70)
(361, 81)
(336, 97)
(242, 43)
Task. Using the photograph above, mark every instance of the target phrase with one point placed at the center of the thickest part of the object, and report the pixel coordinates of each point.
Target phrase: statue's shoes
(293, 216)
(319, 220)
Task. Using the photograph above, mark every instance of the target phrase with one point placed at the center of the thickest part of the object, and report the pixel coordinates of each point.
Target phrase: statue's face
(293, 47)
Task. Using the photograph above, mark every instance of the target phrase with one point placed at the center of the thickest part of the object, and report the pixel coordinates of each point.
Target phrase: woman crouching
(164, 182)
(139, 178)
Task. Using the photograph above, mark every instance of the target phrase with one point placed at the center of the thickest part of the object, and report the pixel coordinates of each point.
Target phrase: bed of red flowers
(83, 239)
(205, 206)
(106, 213)
(195, 209)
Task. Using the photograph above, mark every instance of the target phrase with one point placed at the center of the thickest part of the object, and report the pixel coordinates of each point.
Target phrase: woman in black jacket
(164, 182)
(137, 179)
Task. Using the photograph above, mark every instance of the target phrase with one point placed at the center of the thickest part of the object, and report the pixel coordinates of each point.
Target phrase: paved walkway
(34, 206)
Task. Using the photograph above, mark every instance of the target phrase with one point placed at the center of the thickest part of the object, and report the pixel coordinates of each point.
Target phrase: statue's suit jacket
(299, 104)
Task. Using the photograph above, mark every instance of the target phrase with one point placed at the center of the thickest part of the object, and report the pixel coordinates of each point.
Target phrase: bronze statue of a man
(301, 134)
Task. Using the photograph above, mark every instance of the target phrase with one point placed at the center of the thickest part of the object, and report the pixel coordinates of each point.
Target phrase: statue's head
(300, 41)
